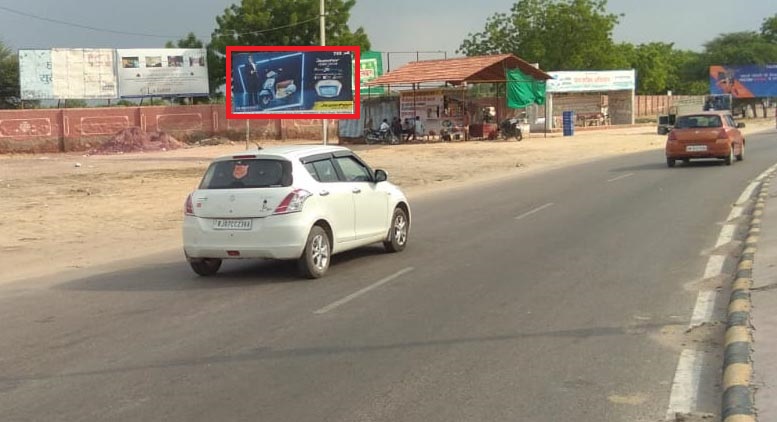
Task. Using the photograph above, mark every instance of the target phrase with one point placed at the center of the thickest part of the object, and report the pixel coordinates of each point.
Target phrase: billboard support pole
(322, 25)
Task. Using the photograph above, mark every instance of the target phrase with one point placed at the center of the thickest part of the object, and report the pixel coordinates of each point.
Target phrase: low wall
(73, 129)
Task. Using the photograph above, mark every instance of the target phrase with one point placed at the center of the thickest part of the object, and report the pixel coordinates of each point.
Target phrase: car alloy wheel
(316, 256)
(398, 232)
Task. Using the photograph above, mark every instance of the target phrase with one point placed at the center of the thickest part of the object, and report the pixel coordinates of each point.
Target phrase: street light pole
(323, 42)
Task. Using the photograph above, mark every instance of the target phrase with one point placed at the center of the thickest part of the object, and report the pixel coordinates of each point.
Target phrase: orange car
(710, 134)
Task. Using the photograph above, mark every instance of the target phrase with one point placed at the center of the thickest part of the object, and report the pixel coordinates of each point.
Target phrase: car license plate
(696, 148)
(242, 224)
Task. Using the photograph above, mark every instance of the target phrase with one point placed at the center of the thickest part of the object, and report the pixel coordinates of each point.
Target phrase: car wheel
(741, 155)
(730, 158)
(670, 162)
(318, 252)
(205, 266)
(397, 236)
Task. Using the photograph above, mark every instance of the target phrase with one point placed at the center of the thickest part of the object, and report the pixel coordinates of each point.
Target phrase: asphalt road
(551, 297)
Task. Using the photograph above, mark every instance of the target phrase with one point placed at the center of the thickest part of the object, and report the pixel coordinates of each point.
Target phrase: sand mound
(134, 139)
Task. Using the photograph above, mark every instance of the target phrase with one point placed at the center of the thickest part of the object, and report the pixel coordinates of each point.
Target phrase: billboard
(86, 73)
(370, 67)
(591, 81)
(65, 73)
(748, 81)
(292, 82)
(162, 72)
(35, 75)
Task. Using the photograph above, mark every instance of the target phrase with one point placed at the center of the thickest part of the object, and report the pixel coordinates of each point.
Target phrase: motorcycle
(511, 128)
(373, 136)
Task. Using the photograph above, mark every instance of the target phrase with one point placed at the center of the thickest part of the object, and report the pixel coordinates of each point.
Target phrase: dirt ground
(65, 211)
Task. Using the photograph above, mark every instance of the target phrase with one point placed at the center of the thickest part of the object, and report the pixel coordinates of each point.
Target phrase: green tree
(769, 29)
(281, 22)
(9, 78)
(740, 48)
(559, 35)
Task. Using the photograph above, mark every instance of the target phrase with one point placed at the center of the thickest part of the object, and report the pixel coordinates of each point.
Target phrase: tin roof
(462, 69)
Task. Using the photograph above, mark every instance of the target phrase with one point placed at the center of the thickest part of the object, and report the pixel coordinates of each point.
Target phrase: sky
(434, 26)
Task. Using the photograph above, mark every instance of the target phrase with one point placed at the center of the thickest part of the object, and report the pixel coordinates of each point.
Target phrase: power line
(112, 31)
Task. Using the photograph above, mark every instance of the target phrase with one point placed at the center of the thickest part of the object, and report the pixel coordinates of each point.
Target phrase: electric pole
(323, 42)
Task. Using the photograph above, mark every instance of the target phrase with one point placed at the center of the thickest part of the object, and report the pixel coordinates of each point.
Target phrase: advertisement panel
(591, 81)
(292, 82)
(35, 75)
(162, 72)
(370, 67)
(435, 109)
(748, 81)
(85, 73)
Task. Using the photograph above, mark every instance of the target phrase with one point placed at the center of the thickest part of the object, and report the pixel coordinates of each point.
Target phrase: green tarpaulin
(523, 90)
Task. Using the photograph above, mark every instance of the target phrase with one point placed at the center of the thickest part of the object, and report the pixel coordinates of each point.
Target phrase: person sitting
(408, 130)
(419, 128)
(384, 126)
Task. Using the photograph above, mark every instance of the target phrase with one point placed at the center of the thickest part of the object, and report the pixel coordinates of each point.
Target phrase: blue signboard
(748, 81)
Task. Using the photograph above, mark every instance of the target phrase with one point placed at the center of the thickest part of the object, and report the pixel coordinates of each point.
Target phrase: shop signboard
(162, 72)
(747, 81)
(591, 81)
(292, 82)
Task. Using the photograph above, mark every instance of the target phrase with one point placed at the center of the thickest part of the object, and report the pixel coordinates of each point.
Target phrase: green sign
(370, 67)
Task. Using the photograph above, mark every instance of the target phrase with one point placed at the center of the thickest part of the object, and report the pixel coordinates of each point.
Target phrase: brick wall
(64, 130)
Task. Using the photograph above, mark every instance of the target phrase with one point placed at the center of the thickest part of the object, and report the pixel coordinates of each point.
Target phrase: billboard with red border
(292, 82)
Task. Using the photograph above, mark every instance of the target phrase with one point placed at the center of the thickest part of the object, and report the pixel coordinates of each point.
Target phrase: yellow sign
(333, 105)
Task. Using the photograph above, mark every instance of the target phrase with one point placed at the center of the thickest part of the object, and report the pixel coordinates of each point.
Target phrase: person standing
(252, 82)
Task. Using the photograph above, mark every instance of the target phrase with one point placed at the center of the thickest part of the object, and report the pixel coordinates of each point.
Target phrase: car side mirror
(740, 125)
(380, 176)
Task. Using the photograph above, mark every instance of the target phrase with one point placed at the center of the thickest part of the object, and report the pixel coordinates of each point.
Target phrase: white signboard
(587, 81)
(86, 73)
(35, 75)
(162, 72)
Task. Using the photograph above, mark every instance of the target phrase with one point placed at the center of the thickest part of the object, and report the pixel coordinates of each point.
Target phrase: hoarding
(85, 73)
(748, 81)
(591, 81)
(67, 73)
(35, 75)
(370, 67)
(162, 72)
(292, 82)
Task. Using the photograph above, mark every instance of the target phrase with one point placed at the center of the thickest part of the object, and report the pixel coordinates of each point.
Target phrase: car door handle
(324, 193)
(357, 190)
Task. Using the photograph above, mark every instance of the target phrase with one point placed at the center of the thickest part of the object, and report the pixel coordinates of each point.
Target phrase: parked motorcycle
(372, 136)
(511, 128)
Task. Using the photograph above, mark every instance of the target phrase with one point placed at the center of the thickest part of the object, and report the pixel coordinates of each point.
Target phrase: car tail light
(244, 157)
(293, 202)
(189, 206)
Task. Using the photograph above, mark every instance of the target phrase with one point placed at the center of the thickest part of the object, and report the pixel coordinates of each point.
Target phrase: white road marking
(726, 235)
(621, 177)
(354, 295)
(736, 212)
(685, 387)
(702, 312)
(747, 193)
(714, 266)
(538, 209)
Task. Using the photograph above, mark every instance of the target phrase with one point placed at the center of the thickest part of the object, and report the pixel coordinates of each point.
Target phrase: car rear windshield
(701, 121)
(253, 173)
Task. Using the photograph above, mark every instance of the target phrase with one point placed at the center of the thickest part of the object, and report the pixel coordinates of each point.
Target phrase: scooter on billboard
(273, 90)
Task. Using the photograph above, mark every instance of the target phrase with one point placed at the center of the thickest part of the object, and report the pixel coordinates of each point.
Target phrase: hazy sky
(395, 25)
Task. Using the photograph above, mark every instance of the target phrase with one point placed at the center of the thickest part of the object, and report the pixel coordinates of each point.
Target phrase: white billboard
(162, 72)
(591, 81)
(86, 73)
(35, 75)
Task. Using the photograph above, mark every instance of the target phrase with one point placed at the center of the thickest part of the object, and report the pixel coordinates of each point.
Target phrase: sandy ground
(65, 211)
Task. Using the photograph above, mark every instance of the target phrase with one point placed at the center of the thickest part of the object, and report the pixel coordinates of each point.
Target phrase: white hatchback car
(291, 202)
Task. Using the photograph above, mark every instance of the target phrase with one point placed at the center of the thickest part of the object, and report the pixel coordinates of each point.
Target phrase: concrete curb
(738, 393)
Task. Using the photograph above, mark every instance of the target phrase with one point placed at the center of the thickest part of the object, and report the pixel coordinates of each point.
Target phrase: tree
(559, 35)
(9, 78)
(281, 22)
(769, 29)
(740, 48)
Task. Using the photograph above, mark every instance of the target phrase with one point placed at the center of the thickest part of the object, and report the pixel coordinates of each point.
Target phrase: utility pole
(323, 42)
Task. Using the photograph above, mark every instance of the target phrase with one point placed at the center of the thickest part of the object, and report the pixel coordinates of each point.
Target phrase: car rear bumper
(275, 237)
(679, 151)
